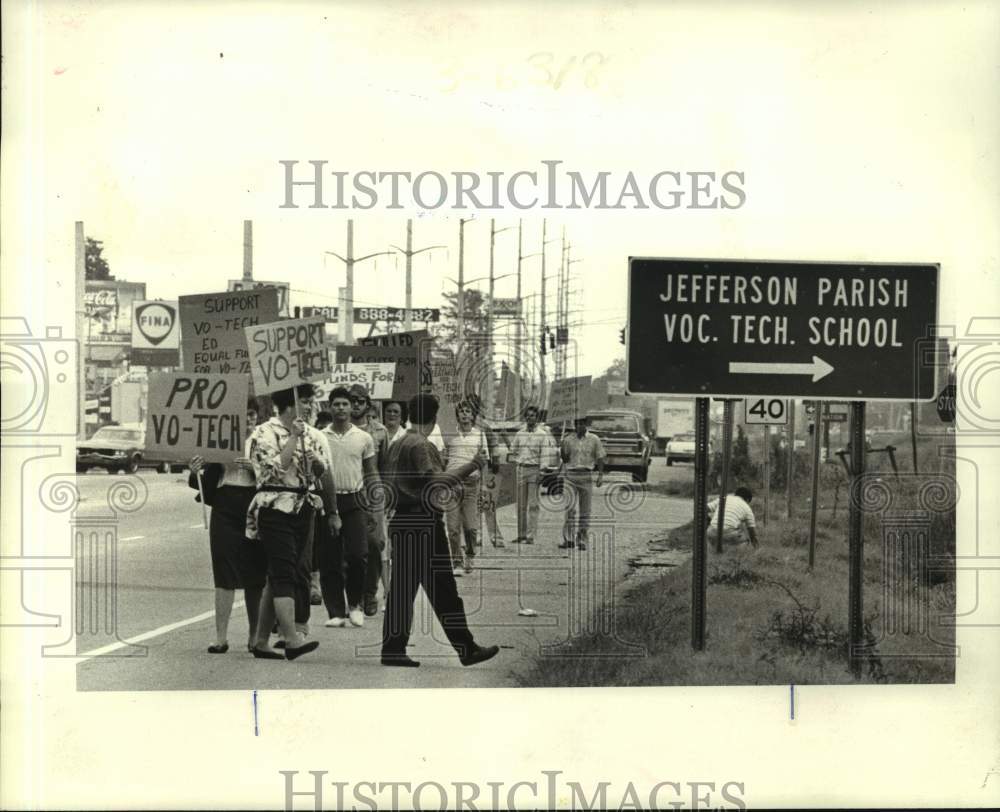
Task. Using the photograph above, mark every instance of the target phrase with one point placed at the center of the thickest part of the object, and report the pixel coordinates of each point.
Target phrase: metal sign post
(727, 455)
(698, 565)
(767, 471)
(814, 502)
(856, 541)
(791, 458)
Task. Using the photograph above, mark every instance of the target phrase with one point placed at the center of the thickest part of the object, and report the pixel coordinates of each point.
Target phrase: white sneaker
(336, 623)
(458, 572)
(357, 616)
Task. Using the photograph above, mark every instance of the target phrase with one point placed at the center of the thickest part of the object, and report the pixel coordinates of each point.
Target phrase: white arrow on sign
(818, 368)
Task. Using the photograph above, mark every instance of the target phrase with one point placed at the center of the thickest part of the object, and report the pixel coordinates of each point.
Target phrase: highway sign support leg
(767, 472)
(814, 502)
(727, 455)
(698, 568)
(855, 620)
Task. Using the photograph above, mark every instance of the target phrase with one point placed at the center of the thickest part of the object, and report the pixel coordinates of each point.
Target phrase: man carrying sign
(287, 455)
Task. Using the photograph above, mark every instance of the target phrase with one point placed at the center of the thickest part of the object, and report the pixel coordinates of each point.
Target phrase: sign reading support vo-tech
(729, 328)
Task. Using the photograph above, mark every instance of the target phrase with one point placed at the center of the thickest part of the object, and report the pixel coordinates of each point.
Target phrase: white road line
(132, 538)
(180, 624)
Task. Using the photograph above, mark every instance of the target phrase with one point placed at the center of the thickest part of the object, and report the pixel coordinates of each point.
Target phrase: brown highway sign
(816, 330)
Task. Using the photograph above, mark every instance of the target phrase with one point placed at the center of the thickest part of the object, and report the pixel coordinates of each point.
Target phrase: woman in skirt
(236, 562)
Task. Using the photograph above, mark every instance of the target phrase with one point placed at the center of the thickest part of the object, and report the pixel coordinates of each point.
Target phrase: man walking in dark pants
(343, 559)
(414, 471)
(374, 518)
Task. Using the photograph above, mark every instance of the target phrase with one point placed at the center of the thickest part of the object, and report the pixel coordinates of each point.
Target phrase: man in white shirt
(738, 525)
(462, 508)
(581, 452)
(344, 558)
(531, 448)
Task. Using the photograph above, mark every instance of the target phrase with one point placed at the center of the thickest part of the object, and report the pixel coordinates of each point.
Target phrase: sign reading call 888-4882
(780, 329)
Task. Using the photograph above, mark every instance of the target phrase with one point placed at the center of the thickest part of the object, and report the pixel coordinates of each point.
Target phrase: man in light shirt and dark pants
(581, 452)
(344, 558)
(738, 525)
(531, 446)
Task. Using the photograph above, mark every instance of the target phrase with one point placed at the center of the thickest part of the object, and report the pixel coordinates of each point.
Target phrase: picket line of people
(302, 518)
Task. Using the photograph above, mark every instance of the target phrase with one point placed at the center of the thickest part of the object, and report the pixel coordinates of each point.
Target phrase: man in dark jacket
(414, 473)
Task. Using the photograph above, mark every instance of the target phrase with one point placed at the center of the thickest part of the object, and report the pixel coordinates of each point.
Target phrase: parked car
(628, 447)
(680, 448)
(120, 448)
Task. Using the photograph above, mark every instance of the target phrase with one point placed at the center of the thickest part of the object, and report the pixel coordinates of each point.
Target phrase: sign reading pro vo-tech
(730, 328)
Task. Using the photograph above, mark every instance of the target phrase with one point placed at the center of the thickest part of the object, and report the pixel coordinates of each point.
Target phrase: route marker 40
(765, 412)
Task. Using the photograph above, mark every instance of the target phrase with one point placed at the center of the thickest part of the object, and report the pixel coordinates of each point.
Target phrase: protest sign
(378, 379)
(439, 377)
(497, 490)
(191, 413)
(287, 353)
(404, 359)
(567, 399)
(283, 289)
(415, 339)
(212, 328)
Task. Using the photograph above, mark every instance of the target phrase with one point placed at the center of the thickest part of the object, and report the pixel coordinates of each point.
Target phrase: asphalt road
(163, 598)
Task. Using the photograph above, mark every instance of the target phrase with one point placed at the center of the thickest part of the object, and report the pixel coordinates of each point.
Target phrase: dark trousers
(287, 540)
(343, 560)
(375, 546)
(420, 557)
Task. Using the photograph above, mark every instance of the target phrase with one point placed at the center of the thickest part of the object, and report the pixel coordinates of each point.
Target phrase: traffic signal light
(541, 343)
(621, 336)
(552, 341)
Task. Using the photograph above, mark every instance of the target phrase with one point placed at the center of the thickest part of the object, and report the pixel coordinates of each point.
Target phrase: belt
(529, 465)
(301, 490)
(581, 470)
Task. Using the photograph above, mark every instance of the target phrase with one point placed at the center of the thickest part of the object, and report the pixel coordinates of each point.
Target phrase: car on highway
(120, 449)
(680, 448)
(628, 447)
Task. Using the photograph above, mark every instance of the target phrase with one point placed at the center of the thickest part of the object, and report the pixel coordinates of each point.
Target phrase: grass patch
(772, 621)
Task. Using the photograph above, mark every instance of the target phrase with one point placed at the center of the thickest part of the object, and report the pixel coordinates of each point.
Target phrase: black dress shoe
(371, 606)
(262, 654)
(399, 660)
(305, 648)
(480, 654)
(216, 649)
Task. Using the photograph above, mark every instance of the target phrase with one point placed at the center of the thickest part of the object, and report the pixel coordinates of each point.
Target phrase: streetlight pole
(347, 301)
(520, 316)
(409, 253)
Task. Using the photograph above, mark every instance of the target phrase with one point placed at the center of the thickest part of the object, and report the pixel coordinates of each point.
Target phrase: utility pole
(347, 302)
(248, 250)
(542, 317)
(545, 390)
(489, 313)
(567, 292)
(519, 321)
(81, 331)
(409, 253)
(460, 304)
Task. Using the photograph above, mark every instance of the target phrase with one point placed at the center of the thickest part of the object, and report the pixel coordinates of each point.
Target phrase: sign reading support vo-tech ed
(728, 328)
